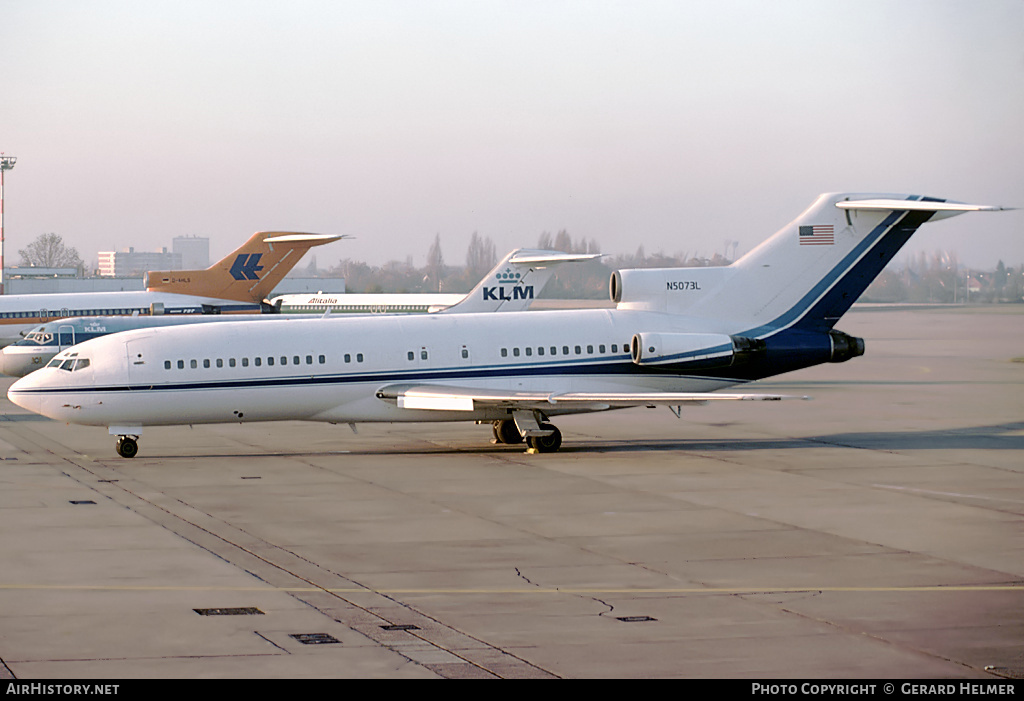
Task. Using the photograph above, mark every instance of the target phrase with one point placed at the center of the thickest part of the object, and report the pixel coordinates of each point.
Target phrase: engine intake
(697, 349)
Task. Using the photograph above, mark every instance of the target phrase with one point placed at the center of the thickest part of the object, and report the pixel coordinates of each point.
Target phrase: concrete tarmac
(872, 532)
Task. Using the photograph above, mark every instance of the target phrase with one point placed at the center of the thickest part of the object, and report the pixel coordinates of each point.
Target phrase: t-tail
(515, 281)
(805, 277)
(248, 274)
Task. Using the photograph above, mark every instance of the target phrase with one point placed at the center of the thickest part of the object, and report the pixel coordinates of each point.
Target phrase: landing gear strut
(127, 446)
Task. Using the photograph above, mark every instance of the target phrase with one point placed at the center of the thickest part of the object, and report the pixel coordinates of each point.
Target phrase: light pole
(6, 163)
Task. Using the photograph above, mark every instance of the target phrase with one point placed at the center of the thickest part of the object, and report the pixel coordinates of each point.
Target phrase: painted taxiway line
(529, 591)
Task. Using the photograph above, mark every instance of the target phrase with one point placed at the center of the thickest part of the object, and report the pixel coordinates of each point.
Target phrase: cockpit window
(69, 363)
(39, 337)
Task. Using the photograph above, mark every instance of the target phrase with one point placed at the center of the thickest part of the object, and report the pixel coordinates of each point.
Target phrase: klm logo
(506, 294)
(246, 266)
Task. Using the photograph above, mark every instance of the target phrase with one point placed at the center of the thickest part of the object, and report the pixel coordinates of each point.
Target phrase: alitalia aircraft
(236, 284)
(675, 336)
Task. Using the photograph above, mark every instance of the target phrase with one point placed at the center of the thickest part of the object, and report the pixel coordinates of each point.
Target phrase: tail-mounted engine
(845, 346)
(702, 350)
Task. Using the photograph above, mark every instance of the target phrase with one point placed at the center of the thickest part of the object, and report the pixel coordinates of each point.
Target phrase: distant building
(132, 263)
(194, 251)
(32, 272)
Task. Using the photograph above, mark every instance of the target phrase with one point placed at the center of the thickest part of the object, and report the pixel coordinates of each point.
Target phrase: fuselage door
(139, 369)
(65, 336)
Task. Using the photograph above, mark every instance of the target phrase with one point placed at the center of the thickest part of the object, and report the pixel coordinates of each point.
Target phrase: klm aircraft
(511, 286)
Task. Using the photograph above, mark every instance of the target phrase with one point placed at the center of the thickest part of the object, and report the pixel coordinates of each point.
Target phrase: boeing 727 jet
(676, 336)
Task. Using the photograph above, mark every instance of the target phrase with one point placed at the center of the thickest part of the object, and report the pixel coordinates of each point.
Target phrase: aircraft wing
(450, 398)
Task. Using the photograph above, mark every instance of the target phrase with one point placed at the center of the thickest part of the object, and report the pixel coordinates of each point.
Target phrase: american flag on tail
(817, 235)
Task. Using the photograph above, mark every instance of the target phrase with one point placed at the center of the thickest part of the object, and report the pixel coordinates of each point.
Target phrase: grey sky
(676, 125)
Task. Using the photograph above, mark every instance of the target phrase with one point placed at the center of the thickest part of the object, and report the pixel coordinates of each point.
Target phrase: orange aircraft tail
(248, 274)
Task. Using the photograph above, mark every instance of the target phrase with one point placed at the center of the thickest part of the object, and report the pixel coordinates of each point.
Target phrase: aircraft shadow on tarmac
(996, 437)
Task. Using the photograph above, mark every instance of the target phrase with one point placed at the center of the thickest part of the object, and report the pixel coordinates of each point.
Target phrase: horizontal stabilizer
(538, 258)
(311, 239)
(918, 206)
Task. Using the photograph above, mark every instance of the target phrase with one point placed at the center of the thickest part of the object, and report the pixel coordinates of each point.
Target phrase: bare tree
(49, 251)
(435, 262)
(480, 256)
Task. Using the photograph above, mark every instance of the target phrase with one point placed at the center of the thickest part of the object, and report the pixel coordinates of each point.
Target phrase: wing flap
(450, 398)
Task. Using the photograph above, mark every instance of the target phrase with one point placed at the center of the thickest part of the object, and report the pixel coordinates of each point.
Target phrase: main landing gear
(540, 437)
(127, 446)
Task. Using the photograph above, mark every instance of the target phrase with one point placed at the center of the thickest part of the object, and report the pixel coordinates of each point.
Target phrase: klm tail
(248, 274)
(515, 281)
(806, 276)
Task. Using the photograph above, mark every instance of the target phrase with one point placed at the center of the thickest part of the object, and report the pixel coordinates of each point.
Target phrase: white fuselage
(330, 369)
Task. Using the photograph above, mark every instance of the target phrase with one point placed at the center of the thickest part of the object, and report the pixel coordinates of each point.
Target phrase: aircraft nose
(21, 393)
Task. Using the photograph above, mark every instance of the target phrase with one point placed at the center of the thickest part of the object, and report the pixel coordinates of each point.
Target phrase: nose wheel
(127, 446)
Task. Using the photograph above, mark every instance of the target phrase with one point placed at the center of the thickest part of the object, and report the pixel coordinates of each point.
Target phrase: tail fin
(807, 275)
(248, 274)
(514, 282)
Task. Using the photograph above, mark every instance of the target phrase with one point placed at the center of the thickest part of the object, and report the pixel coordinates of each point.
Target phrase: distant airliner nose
(17, 364)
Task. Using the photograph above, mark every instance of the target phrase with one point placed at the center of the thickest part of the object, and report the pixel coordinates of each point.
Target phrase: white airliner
(236, 284)
(675, 336)
(364, 303)
(510, 286)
